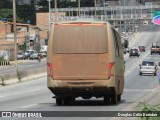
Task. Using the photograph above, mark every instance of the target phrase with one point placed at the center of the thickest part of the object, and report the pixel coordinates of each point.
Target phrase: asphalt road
(34, 95)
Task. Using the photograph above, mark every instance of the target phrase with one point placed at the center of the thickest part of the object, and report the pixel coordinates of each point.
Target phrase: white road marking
(27, 106)
(138, 90)
(35, 90)
(134, 65)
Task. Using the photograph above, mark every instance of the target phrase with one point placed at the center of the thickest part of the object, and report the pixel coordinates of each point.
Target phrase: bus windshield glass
(87, 39)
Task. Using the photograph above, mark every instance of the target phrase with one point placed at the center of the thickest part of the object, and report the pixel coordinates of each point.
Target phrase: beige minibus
(85, 59)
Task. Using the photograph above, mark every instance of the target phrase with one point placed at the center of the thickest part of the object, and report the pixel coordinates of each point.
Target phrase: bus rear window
(80, 39)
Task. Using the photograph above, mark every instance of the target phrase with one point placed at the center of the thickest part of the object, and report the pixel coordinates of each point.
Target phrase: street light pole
(15, 35)
(79, 5)
(49, 14)
(95, 4)
(55, 7)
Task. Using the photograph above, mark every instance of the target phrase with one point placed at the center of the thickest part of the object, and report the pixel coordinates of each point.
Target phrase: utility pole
(95, 4)
(49, 14)
(15, 35)
(55, 7)
(79, 6)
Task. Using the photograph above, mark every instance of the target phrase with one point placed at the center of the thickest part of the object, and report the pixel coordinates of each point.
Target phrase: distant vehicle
(155, 48)
(34, 55)
(4, 19)
(127, 49)
(43, 54)
(20, 56)
(44, 48)
(134, 52)
(124, 50)
(148, 67)
(85, 59)
(28, 53)
(141, 48)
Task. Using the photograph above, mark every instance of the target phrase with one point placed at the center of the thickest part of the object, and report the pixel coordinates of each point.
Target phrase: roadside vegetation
(148, 108)
(1, 59)
(19, 76)
(2, 81)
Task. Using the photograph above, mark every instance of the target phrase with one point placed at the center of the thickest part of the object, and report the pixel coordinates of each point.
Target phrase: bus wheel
(114, 99)
(106, 99)
(66, 101)
(72, 99)
(119, 98)
(59, 101)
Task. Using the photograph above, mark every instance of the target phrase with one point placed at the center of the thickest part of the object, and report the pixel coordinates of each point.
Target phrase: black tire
(106, 100)
(59, 101)
(72, 99)
(66, 101)
(155, 74)
(140, 73)
(113, 99)
(119, 98)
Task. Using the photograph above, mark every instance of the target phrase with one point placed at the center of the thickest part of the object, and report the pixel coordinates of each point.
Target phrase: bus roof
(82, 22)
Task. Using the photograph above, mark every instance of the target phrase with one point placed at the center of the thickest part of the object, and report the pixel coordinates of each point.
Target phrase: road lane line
(135, 65)
(35, 90)
(27, 106)
(138, 90)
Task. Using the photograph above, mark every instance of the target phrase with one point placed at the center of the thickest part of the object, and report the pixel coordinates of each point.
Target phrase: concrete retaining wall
(26, 75)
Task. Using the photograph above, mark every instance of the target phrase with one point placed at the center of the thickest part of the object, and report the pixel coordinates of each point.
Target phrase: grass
(148, 108)
(2, 78)
(19, 76)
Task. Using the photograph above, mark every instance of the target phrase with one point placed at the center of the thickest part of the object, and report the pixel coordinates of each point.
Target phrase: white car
(28, 53)
(148, 67)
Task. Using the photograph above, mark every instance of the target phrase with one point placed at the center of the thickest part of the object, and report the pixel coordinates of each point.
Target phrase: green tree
(27, 12)
(5, 3)
(8, 13)
(64, 4)
(43, 4)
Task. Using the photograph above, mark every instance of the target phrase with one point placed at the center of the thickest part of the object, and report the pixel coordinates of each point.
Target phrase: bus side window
(115, 42)
(119, 45)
